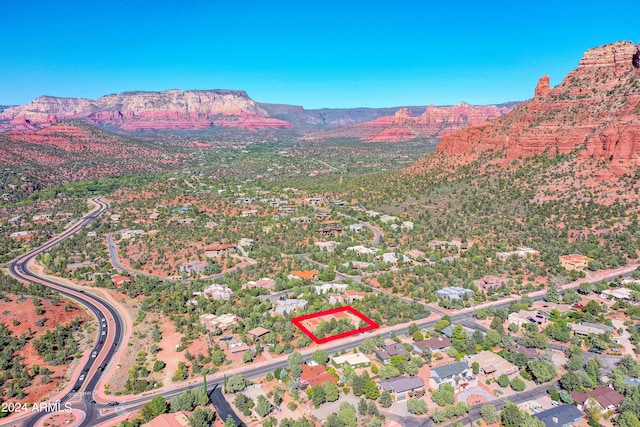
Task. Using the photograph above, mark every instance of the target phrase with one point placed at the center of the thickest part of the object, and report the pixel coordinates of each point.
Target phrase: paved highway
(110, 329)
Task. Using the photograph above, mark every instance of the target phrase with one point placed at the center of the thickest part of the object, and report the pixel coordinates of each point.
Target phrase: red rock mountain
(595, 111)
(435, 122)
(131, 111)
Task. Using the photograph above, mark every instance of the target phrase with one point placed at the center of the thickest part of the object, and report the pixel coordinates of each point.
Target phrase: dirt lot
(19, 315)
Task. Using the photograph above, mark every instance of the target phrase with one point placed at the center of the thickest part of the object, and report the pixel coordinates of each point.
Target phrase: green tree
(517, 384)
(385, 399)
(248, 356)
(263, 406)
(369, 345)
(347, 414)
(331, 391)
(218, 357)
(475, 367)
(157, 406)
(553, 295)
(417, 406)
(445, 395)
(320, 356)
(363, 407)
(511, 415)
(388, 371)
(370, 389)
(230, 422)
(202, 417)
(541, 370)
(489, 414)
(158, 365)
(503, 380)
(235, 383)
(628, 419)
(318, 396)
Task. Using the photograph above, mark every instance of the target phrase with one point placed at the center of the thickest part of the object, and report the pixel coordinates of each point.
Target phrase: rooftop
(401, 384)
(559, 416)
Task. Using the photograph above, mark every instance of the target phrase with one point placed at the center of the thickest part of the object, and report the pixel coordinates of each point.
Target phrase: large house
(193, 266)
(454, 293)
(457, 374)
(492, 364)
(332, 230)
(316, 375)
(218, 249)
(385, 353)
(363, 250)
(490, 282)
(527, 316)
(288, 306)
(303, 275)
(560, 416)
(347, 298)
(119, 281)
(521, 252)
(574, 262)
(435, 344)
(585, 328)
(264, 283)
(328, 287)
(403, 387)
(215, 291)
(606, 398)
(355, 360)
(176, 419)
(618, 294)
(212, 322)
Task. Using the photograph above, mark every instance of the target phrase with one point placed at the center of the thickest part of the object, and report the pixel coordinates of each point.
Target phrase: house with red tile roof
(304, 274)
(316, 375)
(217, 249)
(119, 281)
(574, 262)
(176, 419)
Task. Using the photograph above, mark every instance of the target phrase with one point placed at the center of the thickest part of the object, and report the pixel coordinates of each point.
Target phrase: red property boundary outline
(298, 322)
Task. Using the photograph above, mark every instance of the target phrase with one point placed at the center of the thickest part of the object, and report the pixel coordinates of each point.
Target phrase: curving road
(110, 332)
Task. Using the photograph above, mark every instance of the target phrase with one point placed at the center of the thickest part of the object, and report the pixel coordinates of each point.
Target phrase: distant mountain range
(231, 113)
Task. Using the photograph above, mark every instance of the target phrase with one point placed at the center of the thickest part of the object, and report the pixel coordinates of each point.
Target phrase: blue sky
(316, 54)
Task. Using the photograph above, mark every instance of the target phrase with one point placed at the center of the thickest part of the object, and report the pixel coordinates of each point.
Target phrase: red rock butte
(594, 110)
(130, 111)
(435, 122)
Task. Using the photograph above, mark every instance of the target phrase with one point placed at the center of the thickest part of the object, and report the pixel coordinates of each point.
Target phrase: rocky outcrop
(595, 110)
(434, 122)
(543, 88)
(130, 111)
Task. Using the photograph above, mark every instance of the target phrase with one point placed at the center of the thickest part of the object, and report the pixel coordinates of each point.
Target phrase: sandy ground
(22, 310)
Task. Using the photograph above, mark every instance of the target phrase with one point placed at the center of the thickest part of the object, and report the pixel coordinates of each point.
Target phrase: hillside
(594, 111)
(408, 124)
(73, 150)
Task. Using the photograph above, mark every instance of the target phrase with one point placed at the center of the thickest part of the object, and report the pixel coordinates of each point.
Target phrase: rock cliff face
(130, 111)
(595, 110)
(434, 122)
